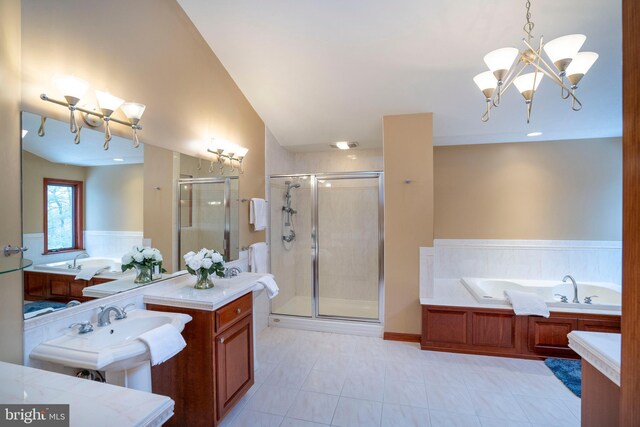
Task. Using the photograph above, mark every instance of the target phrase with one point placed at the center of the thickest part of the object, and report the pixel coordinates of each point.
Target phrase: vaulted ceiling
(320, 71)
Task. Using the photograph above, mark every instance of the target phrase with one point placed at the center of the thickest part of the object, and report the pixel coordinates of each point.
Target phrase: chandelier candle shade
(507, 66)
(73, 90)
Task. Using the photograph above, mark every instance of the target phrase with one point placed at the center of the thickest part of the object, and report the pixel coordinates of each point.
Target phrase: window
(62, 215)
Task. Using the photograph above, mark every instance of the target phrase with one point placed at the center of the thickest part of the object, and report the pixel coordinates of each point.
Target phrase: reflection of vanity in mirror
(83, 209)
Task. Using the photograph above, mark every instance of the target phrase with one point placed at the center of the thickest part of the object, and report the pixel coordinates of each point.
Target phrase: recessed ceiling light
(24, 132)
(118, 159)
(344, 145)
(534, 134)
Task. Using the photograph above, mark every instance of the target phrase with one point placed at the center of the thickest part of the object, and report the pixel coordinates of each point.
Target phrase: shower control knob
(238, 311)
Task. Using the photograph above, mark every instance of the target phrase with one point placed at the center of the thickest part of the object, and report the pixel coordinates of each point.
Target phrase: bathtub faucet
(575, 288)
(80, 255)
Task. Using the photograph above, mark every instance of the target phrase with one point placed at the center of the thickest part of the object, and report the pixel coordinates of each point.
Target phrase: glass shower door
(290, 244)
(349, 245)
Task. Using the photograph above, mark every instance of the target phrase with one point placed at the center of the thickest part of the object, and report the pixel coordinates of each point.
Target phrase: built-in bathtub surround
(426, 272)
(586, 261)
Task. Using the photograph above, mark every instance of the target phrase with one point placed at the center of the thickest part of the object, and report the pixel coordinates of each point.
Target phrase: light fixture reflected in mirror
(73, 89)
(227, 150)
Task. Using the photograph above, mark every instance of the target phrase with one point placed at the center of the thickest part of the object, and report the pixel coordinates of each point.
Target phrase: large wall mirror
(83, 209)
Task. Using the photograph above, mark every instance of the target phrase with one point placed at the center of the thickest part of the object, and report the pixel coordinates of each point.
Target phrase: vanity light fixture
(73, 89)
(229, 151)
(562, 53)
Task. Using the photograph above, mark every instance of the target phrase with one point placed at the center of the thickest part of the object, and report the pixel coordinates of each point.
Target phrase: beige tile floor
(308, 379)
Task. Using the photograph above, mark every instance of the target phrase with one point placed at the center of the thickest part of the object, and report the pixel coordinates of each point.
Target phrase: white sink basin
(111, 348)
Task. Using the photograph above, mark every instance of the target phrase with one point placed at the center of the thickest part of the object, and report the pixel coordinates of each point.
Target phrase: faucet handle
(85, 327)
(587, 300)
(124, 311)
(563, 298)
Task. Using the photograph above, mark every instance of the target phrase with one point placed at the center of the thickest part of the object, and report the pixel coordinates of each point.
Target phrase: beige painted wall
(10, 233)
(152, 54)
(538, 190)
(408, 155)
(161, 170)
(35, 169)
(113, 196)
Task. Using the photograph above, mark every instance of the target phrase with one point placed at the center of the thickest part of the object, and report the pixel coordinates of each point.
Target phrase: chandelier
(563, 53)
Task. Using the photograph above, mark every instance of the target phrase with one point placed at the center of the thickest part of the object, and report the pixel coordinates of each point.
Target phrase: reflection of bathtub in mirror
(110, 266)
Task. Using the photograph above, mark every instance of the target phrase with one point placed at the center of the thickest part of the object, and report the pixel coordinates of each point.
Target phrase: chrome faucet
(232, 272)
(575, 288)
(103, 315)
(80, 255)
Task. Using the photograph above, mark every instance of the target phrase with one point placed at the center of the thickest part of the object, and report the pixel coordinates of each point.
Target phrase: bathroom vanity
(216, 368)
(57, 287)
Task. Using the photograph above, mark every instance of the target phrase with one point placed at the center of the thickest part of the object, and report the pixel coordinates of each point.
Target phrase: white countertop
(180, 292)
(115, 287)
(113, 276)
(91, 403)
(600, 349)
(452, 292)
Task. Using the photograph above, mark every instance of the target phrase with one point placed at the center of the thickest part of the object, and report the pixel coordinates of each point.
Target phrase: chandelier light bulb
(486, 82)
(528, 83)
(579, 66)
(499, 61)
(563, 49)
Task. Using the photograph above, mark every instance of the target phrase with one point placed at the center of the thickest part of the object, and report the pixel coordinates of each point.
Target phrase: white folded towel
(258, 214)
(270, 285)
(164, 342)
(526, 303)
(88, 273)
(258, 258)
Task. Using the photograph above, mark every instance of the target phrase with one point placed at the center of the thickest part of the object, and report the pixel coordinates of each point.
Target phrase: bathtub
(113, 265)
(491, 291)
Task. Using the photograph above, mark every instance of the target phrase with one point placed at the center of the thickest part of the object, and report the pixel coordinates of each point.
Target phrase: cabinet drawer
(234, 311)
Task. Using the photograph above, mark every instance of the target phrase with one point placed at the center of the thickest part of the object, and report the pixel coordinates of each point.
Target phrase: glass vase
(143, 274)
(203, 280)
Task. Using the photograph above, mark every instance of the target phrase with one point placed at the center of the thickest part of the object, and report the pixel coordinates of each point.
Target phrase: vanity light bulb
(242, 151)
(108, 102)
(133, 110)
(72, 88)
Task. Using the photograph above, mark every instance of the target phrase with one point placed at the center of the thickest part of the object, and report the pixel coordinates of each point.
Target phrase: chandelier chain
(528, 27)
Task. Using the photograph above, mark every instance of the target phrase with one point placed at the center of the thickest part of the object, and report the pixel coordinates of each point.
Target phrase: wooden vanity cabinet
(215, 370)
(63, 288)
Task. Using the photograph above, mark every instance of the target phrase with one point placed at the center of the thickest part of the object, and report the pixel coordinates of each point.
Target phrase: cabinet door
(59, 286)
(35, 285)
(234, 364)
(599, 325)
(549, 336)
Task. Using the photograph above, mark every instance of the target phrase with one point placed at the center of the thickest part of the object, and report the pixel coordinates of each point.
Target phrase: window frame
(78, 210)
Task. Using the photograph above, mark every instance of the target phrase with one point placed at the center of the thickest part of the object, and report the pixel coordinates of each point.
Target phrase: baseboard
(322, 325)
(398, 336)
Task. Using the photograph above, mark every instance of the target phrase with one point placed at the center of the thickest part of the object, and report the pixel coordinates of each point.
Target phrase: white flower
(216, 257)
(195, 264)
(199, 256)
(207, 263)
(138, 257)
(188, 256)
(158, 257)
(127, 259)
(148, 253)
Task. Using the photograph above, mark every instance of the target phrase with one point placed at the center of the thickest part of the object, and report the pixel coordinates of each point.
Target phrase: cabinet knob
(238, 311)
(221, 340)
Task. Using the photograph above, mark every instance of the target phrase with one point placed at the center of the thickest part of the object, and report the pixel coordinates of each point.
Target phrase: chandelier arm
(485, 117)
(539, 56)
(575, 100)
(562, 90)
(536, 66)
(561, 84)
(512, 78)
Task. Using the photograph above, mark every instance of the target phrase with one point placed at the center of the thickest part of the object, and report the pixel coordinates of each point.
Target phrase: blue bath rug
(39, 305)
(567, 371)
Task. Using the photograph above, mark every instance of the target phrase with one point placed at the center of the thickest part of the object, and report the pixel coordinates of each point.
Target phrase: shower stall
(326, 240)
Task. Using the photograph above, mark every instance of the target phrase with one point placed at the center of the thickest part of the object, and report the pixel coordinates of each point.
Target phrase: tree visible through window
(62, 216)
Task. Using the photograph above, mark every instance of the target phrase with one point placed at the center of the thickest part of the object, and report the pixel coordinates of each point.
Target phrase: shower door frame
(315, 246)
(227, 210)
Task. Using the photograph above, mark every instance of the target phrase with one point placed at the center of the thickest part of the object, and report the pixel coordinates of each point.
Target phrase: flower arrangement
(204, 264)
(145, 261)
